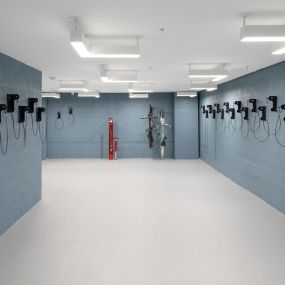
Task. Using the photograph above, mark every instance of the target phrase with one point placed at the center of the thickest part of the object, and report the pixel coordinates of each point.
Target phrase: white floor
(143, 222)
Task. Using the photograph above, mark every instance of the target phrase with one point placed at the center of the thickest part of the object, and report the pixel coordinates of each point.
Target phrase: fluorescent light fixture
(119, 76)
(200, 87)
(211, 89)
(279, 51)
(219, 78)
(262, 33)
(80, 48)
(50, 95)
(85, 48)
(73, 86)
(112, 51)
(89, 95)
(139, 91)
(138, 95)
(216, 74)
(190, 94)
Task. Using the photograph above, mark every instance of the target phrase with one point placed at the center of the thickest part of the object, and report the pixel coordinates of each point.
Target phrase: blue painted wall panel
(87, 137)
(186, 128)
(257, 166)
(20, 170)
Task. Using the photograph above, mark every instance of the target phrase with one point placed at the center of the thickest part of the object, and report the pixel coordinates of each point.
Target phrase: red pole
(111, 130)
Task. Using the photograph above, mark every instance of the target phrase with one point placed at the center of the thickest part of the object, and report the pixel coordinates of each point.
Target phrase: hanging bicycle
(150, 117)
(161, 133)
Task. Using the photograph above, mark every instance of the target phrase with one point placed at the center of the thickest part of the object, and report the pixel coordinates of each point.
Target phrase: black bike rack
(11, 98)
(2, 108)
(214, 114)
(203, 109)
(273, 99)
(238, 103)
(31, 104)
(22, 111)
(39, 112)
(254, 104)
(245, 110)
(262, 109)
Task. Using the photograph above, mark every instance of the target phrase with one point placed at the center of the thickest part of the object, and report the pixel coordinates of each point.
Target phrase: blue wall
(87, 137)
(257, 166)
(20, 169)
(186, 131)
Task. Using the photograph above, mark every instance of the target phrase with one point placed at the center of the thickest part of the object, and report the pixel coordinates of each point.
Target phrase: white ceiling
(205, 31)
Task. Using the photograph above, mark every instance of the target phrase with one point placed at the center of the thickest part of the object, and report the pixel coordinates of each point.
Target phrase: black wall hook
(233, 111)
(218, 110)
(2, 108)
(245, 110)
(11, 98)
(22, 111)
(253, 102)
(262, 109)
(227, 105)
(273, 99)
(31, 104)
(238, 103)
(39, 112)
(222, 114)
(210, 107)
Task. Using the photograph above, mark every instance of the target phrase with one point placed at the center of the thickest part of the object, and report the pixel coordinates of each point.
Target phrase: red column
(111, 135)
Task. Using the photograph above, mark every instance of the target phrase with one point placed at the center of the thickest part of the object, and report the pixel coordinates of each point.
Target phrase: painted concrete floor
(143, 222)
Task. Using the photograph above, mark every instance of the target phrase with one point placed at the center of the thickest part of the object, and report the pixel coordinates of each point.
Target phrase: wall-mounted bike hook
(207, 114)
(22, 112)
(262, 109)
(254, 103)
(203, 109)
(283, 108)
(273, 99)
(11, 98)
(238, 103)
(233, 113)
(210, 107)
(218, 110)
(227, 105)
(39, 112)
(2, 108)
(31, 104)
(70, 111)
(245, 110)
(59, 115)
(222, 114)
(214, 114)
